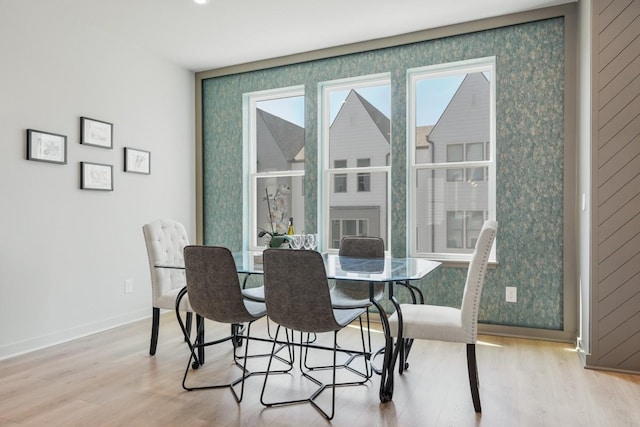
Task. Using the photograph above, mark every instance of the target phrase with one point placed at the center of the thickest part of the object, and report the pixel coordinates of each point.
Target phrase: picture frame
(137, 161)
(46, 147)
(96, 176)
(96, 133)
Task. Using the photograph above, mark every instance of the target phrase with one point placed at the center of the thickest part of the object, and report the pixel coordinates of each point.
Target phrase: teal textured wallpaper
(530, 148)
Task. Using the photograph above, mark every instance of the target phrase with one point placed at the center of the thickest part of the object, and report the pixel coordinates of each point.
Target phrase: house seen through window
(355, 121)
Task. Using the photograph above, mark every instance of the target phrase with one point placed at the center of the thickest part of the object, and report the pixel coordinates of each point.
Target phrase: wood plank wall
(616, 180)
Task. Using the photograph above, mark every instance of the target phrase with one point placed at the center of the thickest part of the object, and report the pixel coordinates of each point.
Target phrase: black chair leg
(188, 325)
(236, 332)
(472, 367)
(200, 337)
(402, 356)
(155, 326)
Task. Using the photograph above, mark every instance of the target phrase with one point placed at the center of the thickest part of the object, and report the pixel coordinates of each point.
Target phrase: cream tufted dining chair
(165, 240)
(450, 324)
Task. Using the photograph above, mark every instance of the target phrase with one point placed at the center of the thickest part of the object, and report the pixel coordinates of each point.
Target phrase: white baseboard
(59, 337)
(528, 333)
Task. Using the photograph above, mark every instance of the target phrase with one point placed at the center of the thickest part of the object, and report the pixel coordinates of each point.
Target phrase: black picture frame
(137, 161)
(46, 147)
(96, 176)
(96, 133)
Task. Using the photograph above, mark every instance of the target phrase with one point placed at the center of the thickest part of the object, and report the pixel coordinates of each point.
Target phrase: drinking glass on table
(310, 241)
(296, 241)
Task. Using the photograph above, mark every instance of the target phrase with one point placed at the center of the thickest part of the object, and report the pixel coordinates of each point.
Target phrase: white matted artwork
(96, 176)
(137, 161)
(96, 133)
(46, 147)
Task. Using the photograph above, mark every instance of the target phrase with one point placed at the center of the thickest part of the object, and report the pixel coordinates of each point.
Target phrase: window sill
(492, 265)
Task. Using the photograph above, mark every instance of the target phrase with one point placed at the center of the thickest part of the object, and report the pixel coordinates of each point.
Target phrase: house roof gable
(288, 136)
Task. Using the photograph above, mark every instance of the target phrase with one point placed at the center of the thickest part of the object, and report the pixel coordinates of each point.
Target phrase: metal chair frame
(312, 295)
(238, 334)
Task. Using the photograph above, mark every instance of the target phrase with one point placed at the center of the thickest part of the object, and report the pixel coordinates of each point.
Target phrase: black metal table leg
(390, 351)
(199, 338)
(386, 373)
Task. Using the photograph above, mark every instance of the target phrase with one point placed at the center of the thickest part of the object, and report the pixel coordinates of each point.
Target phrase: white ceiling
(231, 32)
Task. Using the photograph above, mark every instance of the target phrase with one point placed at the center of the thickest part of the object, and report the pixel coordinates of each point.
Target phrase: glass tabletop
(348, 268)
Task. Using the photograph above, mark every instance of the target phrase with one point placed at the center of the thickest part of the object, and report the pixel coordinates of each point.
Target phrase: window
(451, 157)
(455, 226)
(274, 161)
(472, 226)
(454, 154)
(463, 229)
(340, 179)
(364, 179)
(472, 151)
(347, 227)
(354, 120)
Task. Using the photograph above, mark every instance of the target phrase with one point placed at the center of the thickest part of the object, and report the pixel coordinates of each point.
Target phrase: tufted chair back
(165, 240)
(475, 280)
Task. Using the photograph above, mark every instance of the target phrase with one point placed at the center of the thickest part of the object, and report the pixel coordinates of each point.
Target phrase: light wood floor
(109, 379)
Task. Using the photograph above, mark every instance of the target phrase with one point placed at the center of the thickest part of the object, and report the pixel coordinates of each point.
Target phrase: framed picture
(137, 161)
(96, 133)
(46, 147)
(96, 176)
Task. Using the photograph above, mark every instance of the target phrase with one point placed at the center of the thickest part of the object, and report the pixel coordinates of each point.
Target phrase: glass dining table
(369, 271)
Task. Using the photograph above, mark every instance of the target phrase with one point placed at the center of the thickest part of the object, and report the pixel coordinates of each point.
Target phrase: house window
(354, 119)
(274, 161)
(340, 179)
(451, 157)
(455, 229)
(463, 229)
(347, 227)
(364, 179)
(455, 154)
(472, 226)
(473, 151)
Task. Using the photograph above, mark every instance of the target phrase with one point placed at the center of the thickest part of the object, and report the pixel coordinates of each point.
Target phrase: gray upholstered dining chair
(347, 293)
(165, 240)
(255, 293)
(297, 298)
(450, 324)
(353, 294)
(214, 292)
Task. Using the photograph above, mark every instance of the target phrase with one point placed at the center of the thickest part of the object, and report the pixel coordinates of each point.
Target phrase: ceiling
(230, 32)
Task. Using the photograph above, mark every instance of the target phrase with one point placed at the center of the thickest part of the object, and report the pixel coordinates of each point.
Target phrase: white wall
(65, 252)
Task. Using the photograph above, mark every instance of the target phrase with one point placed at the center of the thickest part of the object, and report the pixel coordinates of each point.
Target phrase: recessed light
(201, 1)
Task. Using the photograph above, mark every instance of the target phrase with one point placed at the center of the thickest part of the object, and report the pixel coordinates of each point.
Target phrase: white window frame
(249, 168)
(325, 170)
(443, 70)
